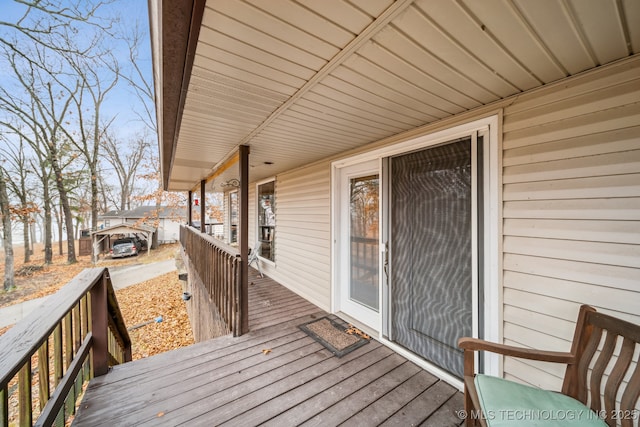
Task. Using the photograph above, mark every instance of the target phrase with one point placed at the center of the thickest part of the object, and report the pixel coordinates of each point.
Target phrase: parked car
(127, 246)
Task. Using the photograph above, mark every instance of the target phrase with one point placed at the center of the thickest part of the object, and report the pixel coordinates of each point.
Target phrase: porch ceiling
(302, 80)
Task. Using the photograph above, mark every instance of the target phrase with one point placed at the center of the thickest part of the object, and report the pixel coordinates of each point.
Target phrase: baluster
(24, 394)
(4, 407)
(84, 330)
(57, 353)
(68, 358)
(43, 373)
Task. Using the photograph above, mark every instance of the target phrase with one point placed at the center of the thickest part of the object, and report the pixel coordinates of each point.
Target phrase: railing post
(244, 238)
(203, 202)
(100, 347)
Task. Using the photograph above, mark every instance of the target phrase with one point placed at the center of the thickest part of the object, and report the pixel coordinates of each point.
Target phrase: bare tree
(43, 172)
(47, 23)
(94, 79)
(45, 111)
(125, 159)
(138, 79)
(18, 171)
(7, 239)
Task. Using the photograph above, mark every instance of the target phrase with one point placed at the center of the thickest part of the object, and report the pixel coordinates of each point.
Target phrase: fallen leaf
(160, 414)
(266, 351)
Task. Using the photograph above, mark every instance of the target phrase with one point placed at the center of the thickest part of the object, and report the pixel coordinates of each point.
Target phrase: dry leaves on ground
(47, 279)
(146, 302)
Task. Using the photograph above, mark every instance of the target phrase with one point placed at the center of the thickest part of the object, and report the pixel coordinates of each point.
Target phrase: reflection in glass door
(358, 290)
(363, 237)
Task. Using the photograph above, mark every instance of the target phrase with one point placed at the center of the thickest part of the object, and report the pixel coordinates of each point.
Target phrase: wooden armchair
(494, 401)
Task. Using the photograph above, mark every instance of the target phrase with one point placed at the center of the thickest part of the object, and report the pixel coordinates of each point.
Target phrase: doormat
(335, 337)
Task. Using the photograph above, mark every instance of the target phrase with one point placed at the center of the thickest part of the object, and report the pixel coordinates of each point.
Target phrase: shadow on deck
(231, 381)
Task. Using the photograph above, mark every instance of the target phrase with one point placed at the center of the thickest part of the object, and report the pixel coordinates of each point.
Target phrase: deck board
(231, 381)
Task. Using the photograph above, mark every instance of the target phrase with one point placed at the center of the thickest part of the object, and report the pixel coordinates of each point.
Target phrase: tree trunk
(7, 240)
(66, 209)
(68, 219)
(58, 213)
(47, 233)
(25, 235)
(95, 195)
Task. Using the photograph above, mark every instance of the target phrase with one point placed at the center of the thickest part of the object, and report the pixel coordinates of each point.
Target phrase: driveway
(121, 277)
(128, 275)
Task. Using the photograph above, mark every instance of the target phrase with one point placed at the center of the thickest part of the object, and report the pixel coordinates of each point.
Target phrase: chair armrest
(474, 344)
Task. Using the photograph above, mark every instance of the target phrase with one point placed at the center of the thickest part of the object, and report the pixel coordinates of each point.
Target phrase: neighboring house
(424, 169)
(166, 220)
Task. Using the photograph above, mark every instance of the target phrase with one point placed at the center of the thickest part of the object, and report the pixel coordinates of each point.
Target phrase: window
(233, 217)
(266, 219)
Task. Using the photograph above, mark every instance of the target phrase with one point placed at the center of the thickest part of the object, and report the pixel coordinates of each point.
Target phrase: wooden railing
(218, 267)
(76, 334)
(364, 259)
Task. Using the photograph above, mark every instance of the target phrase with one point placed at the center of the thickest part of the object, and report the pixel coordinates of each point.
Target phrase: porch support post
(189, 215)
(243, 237)
(203, 226)
(99, 326)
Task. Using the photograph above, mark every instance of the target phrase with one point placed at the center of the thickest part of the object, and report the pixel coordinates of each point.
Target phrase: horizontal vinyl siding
(571, 212)
(303, 233)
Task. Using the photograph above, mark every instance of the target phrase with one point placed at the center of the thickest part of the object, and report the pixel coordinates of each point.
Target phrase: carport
(98, 236)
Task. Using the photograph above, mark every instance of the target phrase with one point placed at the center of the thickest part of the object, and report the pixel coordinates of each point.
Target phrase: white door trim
(342, 302)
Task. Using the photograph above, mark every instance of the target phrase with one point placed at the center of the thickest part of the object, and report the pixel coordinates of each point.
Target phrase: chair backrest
(605, 347)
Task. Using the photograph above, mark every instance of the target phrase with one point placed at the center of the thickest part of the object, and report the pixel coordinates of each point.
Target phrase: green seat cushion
(507, 403)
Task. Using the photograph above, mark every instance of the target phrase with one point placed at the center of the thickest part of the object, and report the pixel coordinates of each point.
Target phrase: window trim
(257, 216)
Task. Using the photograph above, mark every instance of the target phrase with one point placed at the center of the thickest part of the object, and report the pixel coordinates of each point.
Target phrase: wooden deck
(231, 381)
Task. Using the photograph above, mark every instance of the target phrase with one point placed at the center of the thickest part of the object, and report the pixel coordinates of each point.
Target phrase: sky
(122, 102)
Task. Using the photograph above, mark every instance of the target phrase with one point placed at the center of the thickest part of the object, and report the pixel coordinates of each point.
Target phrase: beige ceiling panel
(371, 102)
(326, 124)
(502, 20)
(189, 173)
(433, 38)
(243, 77)
(631, 10)
(192, 163)
(555, 24)
(372, 7)
(600, 22)
(247, 34)
(208, 136)
(461, 26)
(272, 24)
(329, 105)
(287, 145)
(301, 125)
(202, 145)
(233, 104)
(303, 18)
(442, 100)
(217, 113)
(396, 42)
(303, 80)
(205, 120)
(250, 66)
(301, 134)
(231, 86)
(222, 41)
(389, 89)
(341, 13)
(254, 113)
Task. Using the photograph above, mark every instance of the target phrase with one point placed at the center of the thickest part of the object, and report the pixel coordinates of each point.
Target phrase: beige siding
(303, 228)
(571, 194)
